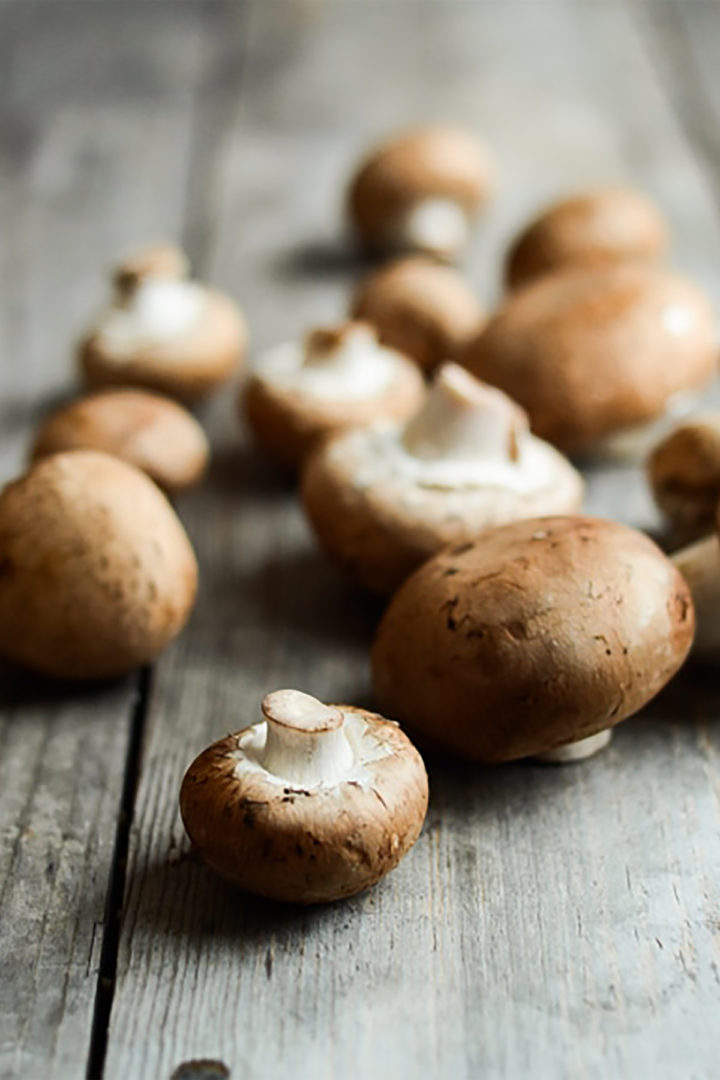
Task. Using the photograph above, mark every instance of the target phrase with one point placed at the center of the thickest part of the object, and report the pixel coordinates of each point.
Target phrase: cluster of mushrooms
(429, 443)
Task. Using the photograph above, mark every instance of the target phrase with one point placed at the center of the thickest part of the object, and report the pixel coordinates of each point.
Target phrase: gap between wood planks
(212, 117)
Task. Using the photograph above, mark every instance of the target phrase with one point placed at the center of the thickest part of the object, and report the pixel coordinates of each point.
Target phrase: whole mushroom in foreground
(421, 191)
(590, 353)
(383, 499)
(162, 331)
(425, 309)
(147, 430)
(538, 637)
(339, 377)
(684, 474)
(594, 229)
(315, 803)
(97, 575)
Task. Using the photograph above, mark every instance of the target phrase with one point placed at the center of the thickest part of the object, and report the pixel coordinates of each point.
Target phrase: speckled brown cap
(591, 352)
(149, 431)
(427, 163)
(538, 634)
(684, 473)
(307, 844)
(594, 229)
(422, 308)
(97, 573)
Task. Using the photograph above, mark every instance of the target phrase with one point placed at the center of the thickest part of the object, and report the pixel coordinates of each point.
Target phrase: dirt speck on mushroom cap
(538, 634)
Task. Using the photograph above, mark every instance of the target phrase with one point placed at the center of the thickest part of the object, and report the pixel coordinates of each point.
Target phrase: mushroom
(383, 499)
(314, 803)
(422, 308)
(97, 575)
(162, 331)
(421, 191)
(539, 635)
(149, 431)
(596, 229)
(589, 353)
(339, 377)
(684, 473)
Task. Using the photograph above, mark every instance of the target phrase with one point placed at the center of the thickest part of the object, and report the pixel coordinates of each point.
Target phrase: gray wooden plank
(94, 151)
(549, 922)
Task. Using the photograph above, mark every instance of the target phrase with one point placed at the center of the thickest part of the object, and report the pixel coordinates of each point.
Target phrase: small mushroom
(537, 635)
(383, 499)
(684, 473)
(149, 431)
(162, 331)
(314, 803)
(339, 377)
(422, 308)
(421, 191)
(595, 229)
(699, 564)
(589, 353)
(97, 575)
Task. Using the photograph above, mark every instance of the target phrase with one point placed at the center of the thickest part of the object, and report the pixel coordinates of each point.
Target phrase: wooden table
(550, 922)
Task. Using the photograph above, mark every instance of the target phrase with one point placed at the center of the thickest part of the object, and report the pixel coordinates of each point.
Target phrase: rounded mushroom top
(147, 430)
(153, 304)
(537, 634)
(589, 352)
(338, 363)
(419, 190)
(597, 228)
(684, 473)
(466, 436)
(425, 309)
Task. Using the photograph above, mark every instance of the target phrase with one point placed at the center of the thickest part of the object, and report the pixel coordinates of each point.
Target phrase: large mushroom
(97, 575)
(684, 474)
(589, 353)
(147, 430)
(425, 309)
(314, 803)
(539, 636)
(162, 331)
(421, 191)
(596, 229)
(383, 499)
(339, 377)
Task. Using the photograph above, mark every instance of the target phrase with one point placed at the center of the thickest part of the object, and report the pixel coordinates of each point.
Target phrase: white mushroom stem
(347, 347)
(462, 419)
(160, 261)
(576, 751)
(305, 744)
(436, 225)
(699, 564)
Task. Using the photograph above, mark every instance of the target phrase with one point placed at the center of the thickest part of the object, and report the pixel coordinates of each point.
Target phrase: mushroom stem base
(576, 751)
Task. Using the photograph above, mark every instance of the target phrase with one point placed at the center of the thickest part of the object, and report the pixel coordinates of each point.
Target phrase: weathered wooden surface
(550, 922)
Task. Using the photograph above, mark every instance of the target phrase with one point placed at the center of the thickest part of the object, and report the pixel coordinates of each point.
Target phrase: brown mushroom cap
(421, 308)
(684, 473)
(149, 431)
(596, 229)
(538, 634)
(590, 352)
(430, 162)
(187, 366)
(97, 575)
(288, 422)
(306, 844)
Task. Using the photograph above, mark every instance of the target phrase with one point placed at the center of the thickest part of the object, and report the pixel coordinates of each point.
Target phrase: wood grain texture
(550, 922)
(94, 152)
